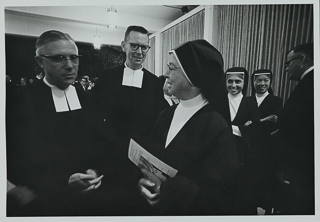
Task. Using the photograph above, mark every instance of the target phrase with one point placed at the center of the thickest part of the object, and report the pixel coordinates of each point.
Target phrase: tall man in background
(296, 128)
(130, 98)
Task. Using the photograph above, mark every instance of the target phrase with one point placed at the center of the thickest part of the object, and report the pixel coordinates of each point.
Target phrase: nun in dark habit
(245, 122)
(270, 107)
(194, 137)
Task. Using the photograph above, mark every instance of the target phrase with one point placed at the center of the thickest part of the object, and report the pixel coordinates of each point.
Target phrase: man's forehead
(133, 35)
(60, 46)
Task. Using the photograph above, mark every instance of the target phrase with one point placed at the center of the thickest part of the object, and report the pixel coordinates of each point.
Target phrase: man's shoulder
(112, 70)
(147, 72)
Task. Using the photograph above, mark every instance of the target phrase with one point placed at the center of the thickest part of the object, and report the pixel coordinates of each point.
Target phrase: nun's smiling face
(177, 83)
(234, 84)
(261, 83)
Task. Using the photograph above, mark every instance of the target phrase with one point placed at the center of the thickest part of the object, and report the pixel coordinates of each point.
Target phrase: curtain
(149, 62)
(190, 29)
(260, 37)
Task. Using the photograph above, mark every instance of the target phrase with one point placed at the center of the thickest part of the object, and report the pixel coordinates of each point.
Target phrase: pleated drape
(260, 37)
(149, 62)
(190, 29)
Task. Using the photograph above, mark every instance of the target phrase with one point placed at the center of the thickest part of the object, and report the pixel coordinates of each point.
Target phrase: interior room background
(251, 36)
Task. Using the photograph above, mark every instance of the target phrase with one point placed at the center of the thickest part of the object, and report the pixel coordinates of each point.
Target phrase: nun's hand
(271, 118)
(146, 188)
(149, 186)
(85, 182)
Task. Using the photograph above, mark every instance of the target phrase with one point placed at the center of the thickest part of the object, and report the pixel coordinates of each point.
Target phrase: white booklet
(142, 158)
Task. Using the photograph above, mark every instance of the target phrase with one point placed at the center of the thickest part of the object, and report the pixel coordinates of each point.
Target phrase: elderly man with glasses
(130, 98)
(50, 139)
(296, 131)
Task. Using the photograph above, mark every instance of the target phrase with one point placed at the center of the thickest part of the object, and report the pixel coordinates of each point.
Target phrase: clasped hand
(85, 182)
(271, 118)
(149, 186)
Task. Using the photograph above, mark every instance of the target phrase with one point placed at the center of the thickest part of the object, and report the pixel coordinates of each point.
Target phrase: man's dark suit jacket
(296, 124)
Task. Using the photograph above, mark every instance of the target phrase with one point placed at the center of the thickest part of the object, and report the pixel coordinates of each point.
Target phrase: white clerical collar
(132, 77)
(198, 100)
(64, 100)
(307, 71)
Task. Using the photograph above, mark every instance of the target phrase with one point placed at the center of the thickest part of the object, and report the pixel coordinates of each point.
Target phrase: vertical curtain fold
(149, 62)
(189, 29)
(260, 36)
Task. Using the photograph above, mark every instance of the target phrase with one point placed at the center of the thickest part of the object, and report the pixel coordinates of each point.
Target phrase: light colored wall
(80, 22)
(33, 26)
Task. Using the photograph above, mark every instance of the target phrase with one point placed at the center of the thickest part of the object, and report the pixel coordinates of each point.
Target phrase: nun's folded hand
(271, 118)
(84, 182)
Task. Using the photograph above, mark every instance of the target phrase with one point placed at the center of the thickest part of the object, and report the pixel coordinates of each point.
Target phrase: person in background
(194, 137)
(270, 107)
(296, 132)
(85, 82)
(129, 98)
(23, 83)
(245, 120)
(39, 73)
(50, 139)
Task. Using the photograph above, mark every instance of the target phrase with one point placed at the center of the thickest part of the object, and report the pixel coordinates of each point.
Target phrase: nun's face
(177, 84)
(234, 84)
(261, 83)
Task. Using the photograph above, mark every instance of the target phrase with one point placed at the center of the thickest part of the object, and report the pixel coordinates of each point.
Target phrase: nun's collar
(262, 95)
(230, 96)
(199, 99)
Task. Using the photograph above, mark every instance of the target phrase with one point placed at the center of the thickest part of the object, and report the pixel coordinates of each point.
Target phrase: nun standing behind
(194, 137)
(270, 107)
(245, 122)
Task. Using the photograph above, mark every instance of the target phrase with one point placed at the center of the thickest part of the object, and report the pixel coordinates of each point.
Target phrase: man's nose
(139, 50)
(68, 63)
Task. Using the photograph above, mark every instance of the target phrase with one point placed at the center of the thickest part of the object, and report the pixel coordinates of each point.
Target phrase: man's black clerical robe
(45, 147)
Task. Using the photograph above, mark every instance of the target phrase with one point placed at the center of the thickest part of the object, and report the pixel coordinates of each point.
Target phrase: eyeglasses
(287, 63)
(62, 59)
(135, 47)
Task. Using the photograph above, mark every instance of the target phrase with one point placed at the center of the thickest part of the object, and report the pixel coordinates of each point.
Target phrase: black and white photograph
(147, 110)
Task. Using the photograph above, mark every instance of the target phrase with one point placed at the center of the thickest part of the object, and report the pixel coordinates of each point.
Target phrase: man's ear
(302, 59)
(123, 45)
(39, 61)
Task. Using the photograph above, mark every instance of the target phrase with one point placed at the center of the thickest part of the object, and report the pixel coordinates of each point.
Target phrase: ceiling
(153, 17)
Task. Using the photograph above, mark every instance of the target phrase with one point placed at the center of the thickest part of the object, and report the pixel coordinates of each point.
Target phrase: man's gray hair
(51, 36)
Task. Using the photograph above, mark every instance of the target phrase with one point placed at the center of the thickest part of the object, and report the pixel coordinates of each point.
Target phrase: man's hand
(85, 182)
(21, 196)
